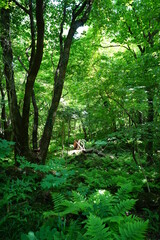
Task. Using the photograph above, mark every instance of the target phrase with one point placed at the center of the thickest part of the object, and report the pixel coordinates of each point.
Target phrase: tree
(73, 16)
(119, 78)
(135, 28)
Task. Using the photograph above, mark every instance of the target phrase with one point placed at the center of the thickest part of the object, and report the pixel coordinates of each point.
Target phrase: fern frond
(77, 197)
(101, 202)
(96, 229)
(114, 219)
(133, 218)
(70, 207)
(63, 206)
(77, 206)
(133, 231)
(122, 207)
(123, 192)
(74, 230)
(58, 199)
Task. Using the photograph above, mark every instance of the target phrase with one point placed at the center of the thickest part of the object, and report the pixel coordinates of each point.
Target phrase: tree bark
(33, 71)
(35, 123)
(79, 17)
(5, 127)
(20, 124)
(15, 116)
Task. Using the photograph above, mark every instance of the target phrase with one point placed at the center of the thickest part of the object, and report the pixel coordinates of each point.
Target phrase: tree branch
(119, 45)
(79, 11)
(32, 33)
(21, 6)
(138, 21)
(61, 28)
(122, 108)
(142, 49)
(22, 64)
(151, 36)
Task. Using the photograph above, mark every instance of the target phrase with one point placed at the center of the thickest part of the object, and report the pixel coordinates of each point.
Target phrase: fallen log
(86, 151)
(92, 150)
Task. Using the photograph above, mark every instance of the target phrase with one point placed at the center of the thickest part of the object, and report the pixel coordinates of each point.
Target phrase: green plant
(96, 229)
(5, 149)
(104, 216)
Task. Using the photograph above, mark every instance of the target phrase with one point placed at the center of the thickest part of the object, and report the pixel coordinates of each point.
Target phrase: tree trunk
(81, 13)
(84, 128)
(33, 71)
(20, 124)
(35, 123)
(5, 130)
(16, 119)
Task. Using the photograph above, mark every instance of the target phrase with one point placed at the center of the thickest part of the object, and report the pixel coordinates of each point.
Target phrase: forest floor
(71, 196)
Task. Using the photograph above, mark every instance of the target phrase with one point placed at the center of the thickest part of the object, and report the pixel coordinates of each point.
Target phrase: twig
(22, 64)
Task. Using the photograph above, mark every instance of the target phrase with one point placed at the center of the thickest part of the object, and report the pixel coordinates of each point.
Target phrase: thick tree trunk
(5, 131)
(35, 65)
(9, 76)
(20, 124)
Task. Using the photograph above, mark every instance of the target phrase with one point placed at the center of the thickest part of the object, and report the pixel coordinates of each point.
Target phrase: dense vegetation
(80, 117)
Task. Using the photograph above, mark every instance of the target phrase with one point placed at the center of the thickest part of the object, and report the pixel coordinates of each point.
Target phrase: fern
(122, 207)
(45, 232)
(77, 197)
(79, 204)
(74, 231)
(100, 208)
(5, 148)
(124, 191)
(96, 178)
(133, 230)
(96, 229)
(58, 200)
(103, 202)
(51, 181)
(63, 207)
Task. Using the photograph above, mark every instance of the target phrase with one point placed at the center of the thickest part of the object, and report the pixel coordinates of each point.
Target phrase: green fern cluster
(104, 216)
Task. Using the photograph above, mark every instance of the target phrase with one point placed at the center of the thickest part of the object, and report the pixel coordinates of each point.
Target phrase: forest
(80, 119)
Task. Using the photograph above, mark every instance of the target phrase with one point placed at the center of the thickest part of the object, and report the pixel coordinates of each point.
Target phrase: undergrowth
(79, 197)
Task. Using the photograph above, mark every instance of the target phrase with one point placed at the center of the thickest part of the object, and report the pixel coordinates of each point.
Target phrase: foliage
(5, 148)
(96, 228)
(4, 4)
(100, 210)
(110, 101)
(70, 205)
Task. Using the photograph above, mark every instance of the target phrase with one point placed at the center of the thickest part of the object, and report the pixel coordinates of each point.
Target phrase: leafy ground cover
(79, 197)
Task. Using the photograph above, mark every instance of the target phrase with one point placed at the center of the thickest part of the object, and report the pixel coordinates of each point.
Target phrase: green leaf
(133, 231)
(96, 228)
